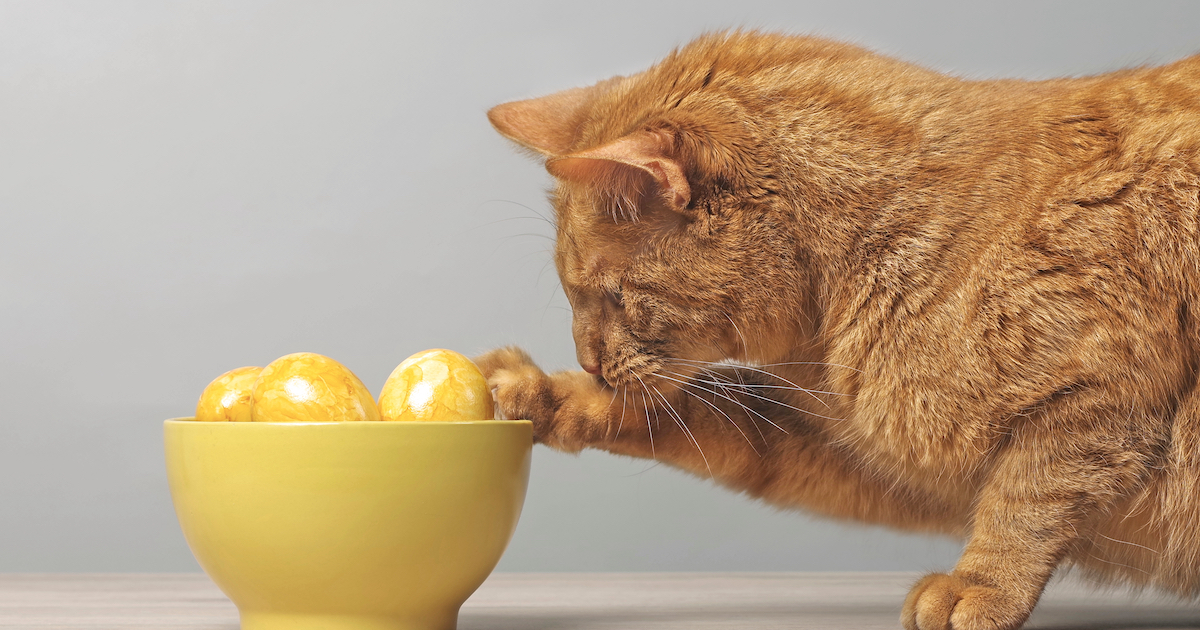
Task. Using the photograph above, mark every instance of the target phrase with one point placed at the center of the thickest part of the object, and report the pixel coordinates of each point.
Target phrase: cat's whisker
(783, 404)
(819, 363)
(674, 416)
(784, 388)
(646, 408)
(735, 366)
(729, 398)
(1117, 564)
(545, 266)
(624, 396)
(722, 412)
(533, 234)
(509, 237)
(728, 392)
(550, 301)
(773, 375)
(537, 215)
(527, 255)
(731, 420)
(782, 363)
(682, 425)
(1132, 544)
(505, 220)
(745, 346)
(657, 420)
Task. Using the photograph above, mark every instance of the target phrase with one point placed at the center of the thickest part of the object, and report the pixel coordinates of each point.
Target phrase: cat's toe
(930, 603)
(525, 394)
(506, 358)
(948, 602)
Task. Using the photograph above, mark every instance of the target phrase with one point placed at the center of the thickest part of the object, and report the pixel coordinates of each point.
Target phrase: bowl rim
(191, 420)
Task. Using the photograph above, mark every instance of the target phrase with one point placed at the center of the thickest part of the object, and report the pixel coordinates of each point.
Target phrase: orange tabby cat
(844, 283)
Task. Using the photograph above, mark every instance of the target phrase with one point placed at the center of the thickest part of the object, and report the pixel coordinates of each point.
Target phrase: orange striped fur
(847, 284)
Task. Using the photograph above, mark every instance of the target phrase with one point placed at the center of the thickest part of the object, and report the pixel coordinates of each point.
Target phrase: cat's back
(767, 71)
(1158, 108)
(1173, 88)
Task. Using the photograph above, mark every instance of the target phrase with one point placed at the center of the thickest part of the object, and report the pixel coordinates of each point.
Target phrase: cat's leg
(743, 438)
(1058, 474)
(574, 410)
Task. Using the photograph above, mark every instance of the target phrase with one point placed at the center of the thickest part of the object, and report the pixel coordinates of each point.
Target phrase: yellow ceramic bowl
(348, 525)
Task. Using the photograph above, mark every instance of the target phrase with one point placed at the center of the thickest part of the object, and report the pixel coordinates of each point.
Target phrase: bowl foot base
(281, 621)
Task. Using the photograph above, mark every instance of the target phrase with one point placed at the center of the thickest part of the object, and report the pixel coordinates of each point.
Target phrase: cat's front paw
(506, 358)
(949, 602)
(524, 392)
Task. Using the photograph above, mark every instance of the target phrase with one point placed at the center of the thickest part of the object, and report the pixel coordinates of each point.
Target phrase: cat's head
(671, 245)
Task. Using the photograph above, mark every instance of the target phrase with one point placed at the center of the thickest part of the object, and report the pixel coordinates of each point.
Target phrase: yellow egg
(436, 386)
(227, 398)
(307, 387)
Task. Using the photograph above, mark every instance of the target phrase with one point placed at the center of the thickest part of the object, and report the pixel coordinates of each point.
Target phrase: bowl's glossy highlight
(348, 526)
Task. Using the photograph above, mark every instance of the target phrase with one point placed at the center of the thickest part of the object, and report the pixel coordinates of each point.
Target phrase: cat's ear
(548, 124)
(626, 167)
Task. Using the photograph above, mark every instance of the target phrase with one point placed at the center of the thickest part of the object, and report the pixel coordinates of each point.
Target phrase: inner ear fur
(626, 167)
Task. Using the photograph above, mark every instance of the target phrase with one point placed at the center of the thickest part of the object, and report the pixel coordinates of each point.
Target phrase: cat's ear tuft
(627, 167)
(547, 125)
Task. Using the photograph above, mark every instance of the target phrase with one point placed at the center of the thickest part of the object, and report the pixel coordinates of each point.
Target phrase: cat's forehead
(592, 258)
(595, 248)
(589, 262)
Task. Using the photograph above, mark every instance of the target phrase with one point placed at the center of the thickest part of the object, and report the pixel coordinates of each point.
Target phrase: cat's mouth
(629, 371)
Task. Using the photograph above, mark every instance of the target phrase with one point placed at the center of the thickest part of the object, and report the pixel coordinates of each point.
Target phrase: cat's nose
(591, 368)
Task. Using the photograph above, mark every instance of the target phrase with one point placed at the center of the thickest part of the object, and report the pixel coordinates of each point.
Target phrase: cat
(843, 283)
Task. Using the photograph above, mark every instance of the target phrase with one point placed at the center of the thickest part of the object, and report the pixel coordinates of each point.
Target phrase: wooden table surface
(574, 601)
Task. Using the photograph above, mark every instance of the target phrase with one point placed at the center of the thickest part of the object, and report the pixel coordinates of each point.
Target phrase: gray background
(190, 187)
